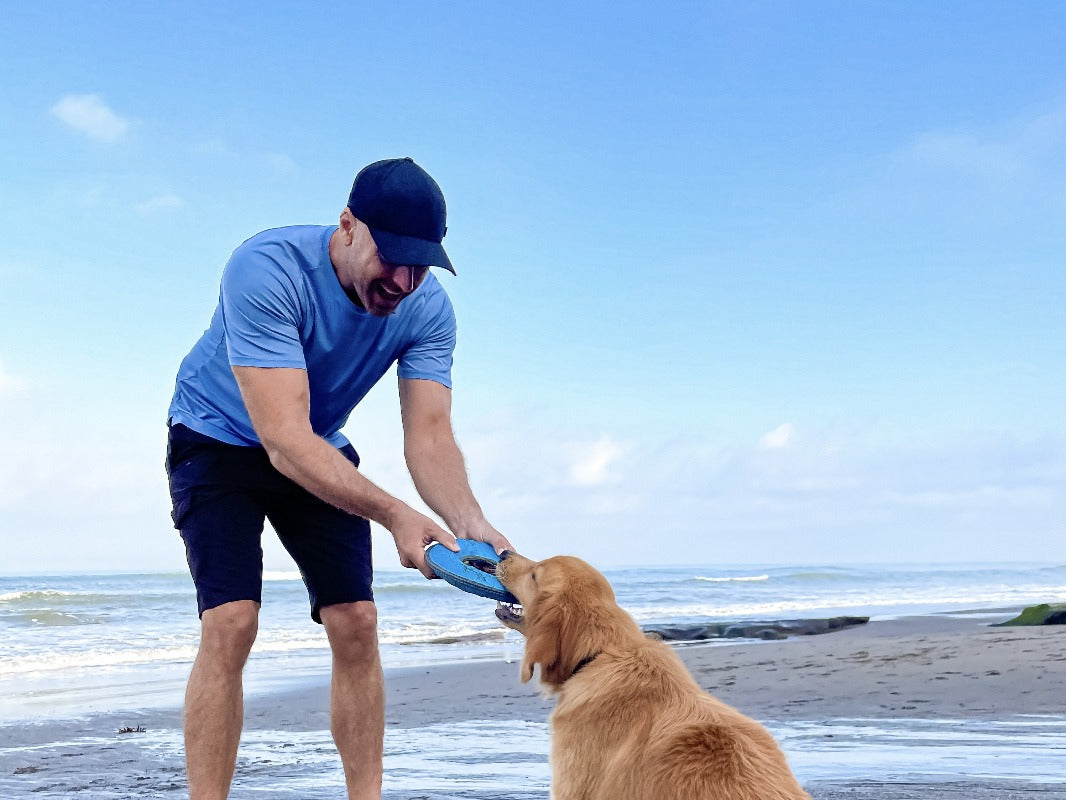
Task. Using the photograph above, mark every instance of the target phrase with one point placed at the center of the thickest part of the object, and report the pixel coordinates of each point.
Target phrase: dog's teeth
(512, 609)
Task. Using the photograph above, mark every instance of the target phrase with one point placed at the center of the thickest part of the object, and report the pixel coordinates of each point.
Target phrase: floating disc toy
(472, 569)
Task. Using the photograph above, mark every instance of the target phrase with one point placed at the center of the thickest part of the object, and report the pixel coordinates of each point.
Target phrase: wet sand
(924, 668)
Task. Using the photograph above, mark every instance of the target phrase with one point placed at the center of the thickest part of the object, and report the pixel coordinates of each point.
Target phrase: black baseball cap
(404, 209)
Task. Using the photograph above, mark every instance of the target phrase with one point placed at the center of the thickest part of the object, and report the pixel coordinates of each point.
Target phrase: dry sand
(920, 667)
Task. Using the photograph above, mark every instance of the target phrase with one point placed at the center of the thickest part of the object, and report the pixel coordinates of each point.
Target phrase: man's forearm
(319, 467)
(439, 473)
(278, 402)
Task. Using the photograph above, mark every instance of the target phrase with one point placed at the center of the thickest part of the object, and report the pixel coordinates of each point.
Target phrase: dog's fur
(630, 722)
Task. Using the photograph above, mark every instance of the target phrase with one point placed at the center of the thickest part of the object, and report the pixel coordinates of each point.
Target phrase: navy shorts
(222, 493)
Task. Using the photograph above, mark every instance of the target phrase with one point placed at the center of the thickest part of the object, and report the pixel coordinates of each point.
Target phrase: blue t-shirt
(281, 305)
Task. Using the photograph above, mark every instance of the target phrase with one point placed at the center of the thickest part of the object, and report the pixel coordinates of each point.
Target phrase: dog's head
(569, 614)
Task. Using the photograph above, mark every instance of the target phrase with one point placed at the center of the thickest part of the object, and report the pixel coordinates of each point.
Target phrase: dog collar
(583, 663)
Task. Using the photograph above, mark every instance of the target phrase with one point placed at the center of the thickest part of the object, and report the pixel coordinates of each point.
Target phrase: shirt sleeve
(261, 311)
(429, 357)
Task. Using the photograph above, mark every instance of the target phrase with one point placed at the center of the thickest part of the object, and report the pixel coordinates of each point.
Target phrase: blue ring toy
(466, 569)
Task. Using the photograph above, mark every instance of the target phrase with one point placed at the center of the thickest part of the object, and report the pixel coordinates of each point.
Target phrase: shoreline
(895, 675)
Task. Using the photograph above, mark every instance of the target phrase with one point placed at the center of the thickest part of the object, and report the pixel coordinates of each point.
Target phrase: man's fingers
(500, 543)
(446, 539)
(420, 564)
(426, 569)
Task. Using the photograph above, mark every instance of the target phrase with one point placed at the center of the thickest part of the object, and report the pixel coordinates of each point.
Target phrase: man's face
(377, 285)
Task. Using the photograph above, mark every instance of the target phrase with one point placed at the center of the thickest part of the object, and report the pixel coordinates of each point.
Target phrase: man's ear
(348, 224)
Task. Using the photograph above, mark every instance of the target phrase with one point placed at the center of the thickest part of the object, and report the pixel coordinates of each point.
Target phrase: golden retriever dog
(630, 722)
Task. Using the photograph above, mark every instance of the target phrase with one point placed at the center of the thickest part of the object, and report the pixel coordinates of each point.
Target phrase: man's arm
(278, 402)
(436, 464)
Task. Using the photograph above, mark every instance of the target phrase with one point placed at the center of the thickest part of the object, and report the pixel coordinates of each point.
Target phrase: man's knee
(352, 629)
(228, 632)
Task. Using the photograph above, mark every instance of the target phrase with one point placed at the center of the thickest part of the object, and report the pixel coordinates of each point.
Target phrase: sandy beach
(980, 711)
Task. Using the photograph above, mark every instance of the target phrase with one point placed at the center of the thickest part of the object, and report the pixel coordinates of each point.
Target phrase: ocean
(73, 645)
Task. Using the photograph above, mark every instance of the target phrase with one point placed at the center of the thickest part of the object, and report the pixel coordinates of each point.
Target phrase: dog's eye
(533, 576)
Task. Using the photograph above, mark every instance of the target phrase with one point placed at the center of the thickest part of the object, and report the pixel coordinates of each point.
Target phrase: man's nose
(405, 278)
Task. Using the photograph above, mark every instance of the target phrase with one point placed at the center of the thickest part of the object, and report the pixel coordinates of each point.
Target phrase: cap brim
(409, 251)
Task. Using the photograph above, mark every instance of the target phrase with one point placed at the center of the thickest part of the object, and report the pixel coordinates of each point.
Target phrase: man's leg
(218, 492)
(333, 550)
(357, 697)
(214, 699)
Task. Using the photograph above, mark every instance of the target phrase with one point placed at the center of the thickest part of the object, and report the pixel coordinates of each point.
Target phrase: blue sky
(766, 282)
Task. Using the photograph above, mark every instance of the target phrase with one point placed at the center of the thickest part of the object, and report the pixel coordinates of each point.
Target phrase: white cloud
(282, 165)
(825, 496)
(94, 500)
(164, 202)
(779, 437)
(618, 498)
(968, 153)
(213, 147)
(1006, 153)
(10, 384)
(88, 114)
(591, 467)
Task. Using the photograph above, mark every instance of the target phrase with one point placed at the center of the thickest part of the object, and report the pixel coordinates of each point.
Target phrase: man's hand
(487, 533)
(413, 532)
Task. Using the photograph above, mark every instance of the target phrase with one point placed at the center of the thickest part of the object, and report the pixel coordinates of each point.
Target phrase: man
(309, 319)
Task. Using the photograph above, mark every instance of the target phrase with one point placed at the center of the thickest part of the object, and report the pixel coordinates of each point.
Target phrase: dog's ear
(544, 633)
(558, 642)
(570, 646)
(527, 665)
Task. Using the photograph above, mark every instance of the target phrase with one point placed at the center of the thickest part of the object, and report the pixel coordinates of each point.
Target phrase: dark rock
(1043, 614)
(770, 634)
(781, 629)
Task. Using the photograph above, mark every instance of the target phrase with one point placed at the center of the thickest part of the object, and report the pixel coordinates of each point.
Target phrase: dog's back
(657, 734)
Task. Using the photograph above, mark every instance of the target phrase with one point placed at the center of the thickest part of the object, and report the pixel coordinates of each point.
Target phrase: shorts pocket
(181, 509)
